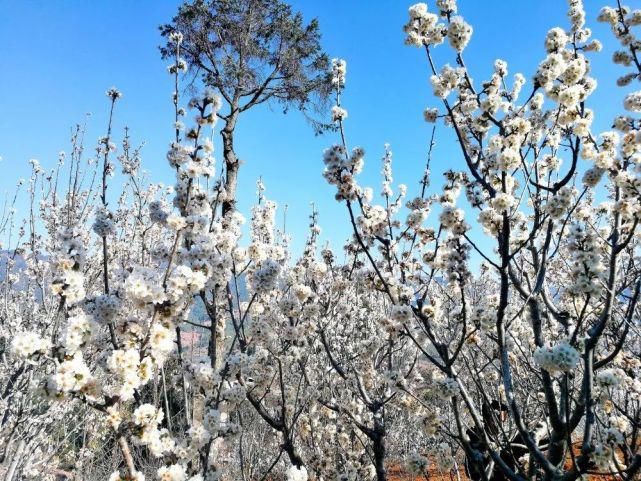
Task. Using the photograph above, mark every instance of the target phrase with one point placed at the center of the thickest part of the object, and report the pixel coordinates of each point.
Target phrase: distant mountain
(20, 265)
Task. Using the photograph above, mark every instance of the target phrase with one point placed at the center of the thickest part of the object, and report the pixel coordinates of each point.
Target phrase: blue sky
(59, 57)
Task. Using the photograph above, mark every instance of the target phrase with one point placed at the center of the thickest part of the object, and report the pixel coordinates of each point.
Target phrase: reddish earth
(396, 474)
(189, 338)
(434, 475)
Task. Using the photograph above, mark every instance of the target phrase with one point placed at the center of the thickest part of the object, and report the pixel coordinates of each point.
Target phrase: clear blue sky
(59, 57)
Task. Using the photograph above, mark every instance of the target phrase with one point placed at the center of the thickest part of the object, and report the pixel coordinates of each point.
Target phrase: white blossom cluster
(561, 357)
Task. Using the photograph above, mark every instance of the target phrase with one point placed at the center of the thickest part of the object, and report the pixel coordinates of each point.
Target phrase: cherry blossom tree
(528, 371)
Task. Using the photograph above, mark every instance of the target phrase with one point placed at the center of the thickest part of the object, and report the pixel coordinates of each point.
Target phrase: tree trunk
(126, 454)
(15, 461)
(184, 380)
(294, 457)
(378, 441)
(231, 164)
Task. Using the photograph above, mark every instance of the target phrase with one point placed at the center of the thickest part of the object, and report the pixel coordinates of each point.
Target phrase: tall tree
(251, 52)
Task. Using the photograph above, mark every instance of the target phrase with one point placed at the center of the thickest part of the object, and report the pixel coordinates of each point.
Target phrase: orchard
(486, 330)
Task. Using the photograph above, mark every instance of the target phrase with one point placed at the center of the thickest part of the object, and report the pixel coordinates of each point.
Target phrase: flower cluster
(341, 169)
(27, 344)
(423, 27)
(561, 357)
(339, 69)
